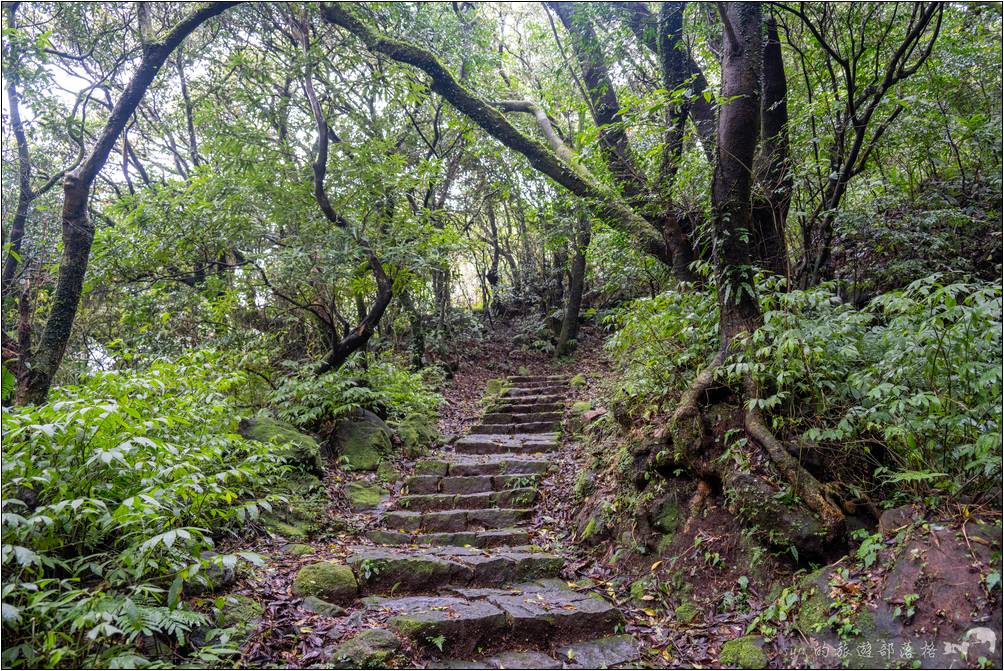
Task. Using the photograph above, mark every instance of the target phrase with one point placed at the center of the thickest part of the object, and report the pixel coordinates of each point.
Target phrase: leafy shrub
(912, 379)
(917, 371)
(660, 342)
(385, 387)
(112, 494)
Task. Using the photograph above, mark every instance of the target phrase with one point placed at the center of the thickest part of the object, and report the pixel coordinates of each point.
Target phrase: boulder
(361, 441)
(299, 449)
(371, 649)
(328, 580)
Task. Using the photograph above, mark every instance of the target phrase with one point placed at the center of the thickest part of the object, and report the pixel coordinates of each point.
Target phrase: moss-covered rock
(298, 448)
(686, 612)
(666, 514)
(361, 441)
(387, 472)
(814, 607)
(328, 580)
(496, 387)
(240, 612)
(744, 653)
(371, 649)
(313, 604)
(298, 549)
(365, 495)
(295, 520)
(578, 381)
(416, 432)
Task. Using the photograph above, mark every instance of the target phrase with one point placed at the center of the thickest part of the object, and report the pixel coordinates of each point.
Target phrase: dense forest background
(778, 225)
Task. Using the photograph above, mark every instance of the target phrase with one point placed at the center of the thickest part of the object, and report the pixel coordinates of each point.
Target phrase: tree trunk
(738, 126)
(773, 172)
(78, 231)
(417, 331)
(363, 331)
(576, 283)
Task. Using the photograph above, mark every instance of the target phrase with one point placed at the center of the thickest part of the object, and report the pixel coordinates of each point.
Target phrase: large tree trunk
(78, 231)
(576, 283)
(738, 126)
(773, 172)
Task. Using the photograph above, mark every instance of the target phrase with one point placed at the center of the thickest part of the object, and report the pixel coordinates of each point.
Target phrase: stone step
(490, 538)
(467, 484)
(534, 392)
(456, 520)
(484, 464)
(522, 427)
(521, 408)
(520, 497)
(537, 384)
(535, 613)
(400, 570)
(510, 417)
(599, 653)
(534, 399)
(507, 443)
(554, 379)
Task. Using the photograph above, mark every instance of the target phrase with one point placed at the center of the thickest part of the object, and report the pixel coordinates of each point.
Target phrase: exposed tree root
(804, 485)
(686, 429)
(689, 405)
(695, 506)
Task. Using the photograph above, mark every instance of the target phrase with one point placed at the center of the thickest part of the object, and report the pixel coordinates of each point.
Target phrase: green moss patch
(326, 580)
(744, 653)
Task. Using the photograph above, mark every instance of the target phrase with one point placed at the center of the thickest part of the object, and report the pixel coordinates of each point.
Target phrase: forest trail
(454, 569)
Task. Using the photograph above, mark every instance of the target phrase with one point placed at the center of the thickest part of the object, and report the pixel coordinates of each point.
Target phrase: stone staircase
(456, 572)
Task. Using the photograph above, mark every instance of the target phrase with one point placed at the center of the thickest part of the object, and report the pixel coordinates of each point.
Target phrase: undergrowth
(912, 380)
(113, 493)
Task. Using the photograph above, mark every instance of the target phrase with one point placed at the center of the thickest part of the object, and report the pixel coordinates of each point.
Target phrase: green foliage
(112, 494)
(383, 386)
(660, 341)
(917, 370)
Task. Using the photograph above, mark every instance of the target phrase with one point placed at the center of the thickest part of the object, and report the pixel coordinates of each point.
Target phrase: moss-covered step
(379, 570)
(529, 614)
(523, 408)
(521, 427)
(523, 393)
(456, 520)
(467, 484)
(526, 380)
(468, 465)
(491, 538)
(455, 625)
(600, 653)
(529, 399)
(519, 417)
(507, 444)
(507, 498)
(609, 652)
